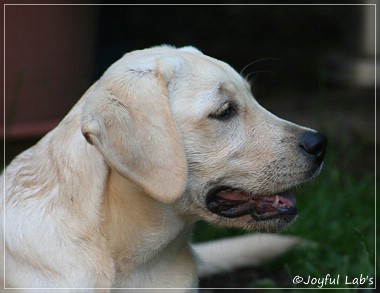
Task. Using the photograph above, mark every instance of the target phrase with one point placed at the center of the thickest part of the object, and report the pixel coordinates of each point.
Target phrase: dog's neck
(133, 217)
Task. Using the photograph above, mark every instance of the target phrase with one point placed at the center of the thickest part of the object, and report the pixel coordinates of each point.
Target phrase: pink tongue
(233, 195)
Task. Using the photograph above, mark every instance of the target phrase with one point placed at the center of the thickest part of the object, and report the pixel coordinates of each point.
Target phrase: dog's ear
(127, 116)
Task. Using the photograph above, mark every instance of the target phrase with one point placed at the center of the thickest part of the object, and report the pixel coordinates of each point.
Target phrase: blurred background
(311, 64)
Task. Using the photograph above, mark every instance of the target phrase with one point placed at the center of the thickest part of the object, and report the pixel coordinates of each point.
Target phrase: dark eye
(225, 112)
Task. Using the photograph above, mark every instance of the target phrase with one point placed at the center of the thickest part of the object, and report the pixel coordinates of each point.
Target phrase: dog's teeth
(275, 203)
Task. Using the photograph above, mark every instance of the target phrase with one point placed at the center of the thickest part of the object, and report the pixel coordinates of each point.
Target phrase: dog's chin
(262, 213)
(247, 223)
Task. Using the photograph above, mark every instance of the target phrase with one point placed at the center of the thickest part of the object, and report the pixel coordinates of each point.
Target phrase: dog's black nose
(314, 143)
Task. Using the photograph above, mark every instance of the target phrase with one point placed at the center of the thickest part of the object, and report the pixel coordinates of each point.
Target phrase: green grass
(337, 214)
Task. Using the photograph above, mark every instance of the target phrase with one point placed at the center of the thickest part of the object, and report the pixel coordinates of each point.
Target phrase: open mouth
(233, 203)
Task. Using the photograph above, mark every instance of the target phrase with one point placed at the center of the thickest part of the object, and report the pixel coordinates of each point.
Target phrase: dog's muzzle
(232, 202)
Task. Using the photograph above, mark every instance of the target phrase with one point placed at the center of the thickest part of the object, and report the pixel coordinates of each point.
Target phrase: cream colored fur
(109, 197)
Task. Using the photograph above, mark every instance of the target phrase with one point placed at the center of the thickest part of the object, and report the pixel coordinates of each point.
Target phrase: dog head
(186, 129)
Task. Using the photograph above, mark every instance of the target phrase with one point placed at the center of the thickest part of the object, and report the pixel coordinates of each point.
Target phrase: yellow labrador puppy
(165, 138)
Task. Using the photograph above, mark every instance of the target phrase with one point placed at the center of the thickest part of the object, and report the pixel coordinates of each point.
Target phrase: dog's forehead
(207, 74)
(186, 70)
(210, 68)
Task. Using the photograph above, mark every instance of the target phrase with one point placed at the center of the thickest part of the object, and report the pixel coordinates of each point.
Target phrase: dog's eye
(225, 112)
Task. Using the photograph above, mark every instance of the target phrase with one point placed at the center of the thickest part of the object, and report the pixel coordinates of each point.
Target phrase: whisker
(258, 71)
(256, 61)
(250, 81)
